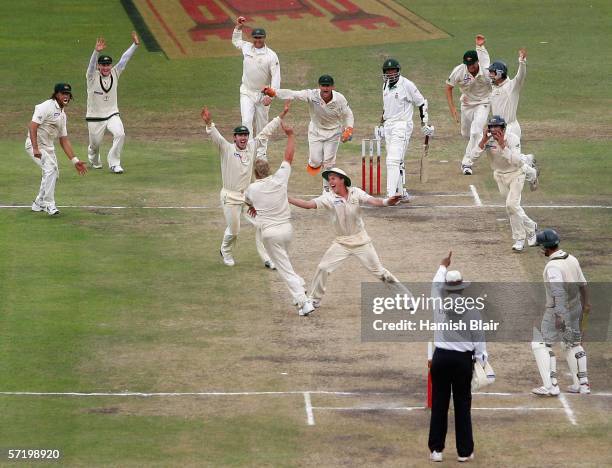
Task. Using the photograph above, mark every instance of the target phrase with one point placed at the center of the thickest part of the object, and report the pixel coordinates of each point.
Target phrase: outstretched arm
(519, 79)
(237, 34)
(100, 46)
(216, 137)
(290, 148)
(483, 54)
(309, 205)
(127, 55)
(391, 201)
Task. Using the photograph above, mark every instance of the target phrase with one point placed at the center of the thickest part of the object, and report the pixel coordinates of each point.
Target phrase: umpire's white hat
(454, 281)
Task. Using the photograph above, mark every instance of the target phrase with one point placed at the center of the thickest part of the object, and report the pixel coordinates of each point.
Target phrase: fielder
(399, 95)
(260, 69)
(504, 102)
(267, 198)
(102, 109)
(237, 160)
(49, 123)
(331, 121)
(503, 150)
(567, 305)
(475, 85)
(344, 202)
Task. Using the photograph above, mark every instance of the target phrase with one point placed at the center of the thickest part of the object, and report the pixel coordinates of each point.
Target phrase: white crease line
(568, 409)
(477, 200)
(412, 408)
(308, 405)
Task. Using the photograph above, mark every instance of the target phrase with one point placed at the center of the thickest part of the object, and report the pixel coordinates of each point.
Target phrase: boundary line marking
(477, 200)
(309, 413)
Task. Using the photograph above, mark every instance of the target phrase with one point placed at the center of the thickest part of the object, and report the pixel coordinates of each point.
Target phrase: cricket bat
(423, 176)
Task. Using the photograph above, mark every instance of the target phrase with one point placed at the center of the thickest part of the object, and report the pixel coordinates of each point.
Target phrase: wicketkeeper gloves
(347, 135)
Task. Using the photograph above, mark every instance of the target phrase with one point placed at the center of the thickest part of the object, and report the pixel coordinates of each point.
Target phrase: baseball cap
(326, 80)
(241, 130)
(258, 32)
(62, 88)
(105, 60)
(337, 171)
(470, 57)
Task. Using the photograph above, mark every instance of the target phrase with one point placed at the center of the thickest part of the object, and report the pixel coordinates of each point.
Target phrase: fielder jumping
(260, 69)
(102, 109)
(475, 85)
(48, 123)
(237, 160)
(267, 197)
(399, 95)
(567, 305)
(331, 121)
(503, 150)
(504, 102)
(344, 202)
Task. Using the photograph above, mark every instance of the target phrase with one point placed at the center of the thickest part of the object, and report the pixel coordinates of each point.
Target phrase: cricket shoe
(306, 309)
(543, 391)
(52, 210)
(519, 245)
(227, 259)
(36, 207)
(465, 459)
(116, 169)
(270, 265)
(584, 389)
(406, 197)
(95, 164)
(316, 303)
(436, 456)
(467, 170)
(532, 238)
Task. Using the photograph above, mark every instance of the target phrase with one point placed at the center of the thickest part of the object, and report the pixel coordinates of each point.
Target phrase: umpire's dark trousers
(451, 370)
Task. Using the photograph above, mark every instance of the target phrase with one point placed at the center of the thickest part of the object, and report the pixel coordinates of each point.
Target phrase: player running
(102, 108)
(331, 121)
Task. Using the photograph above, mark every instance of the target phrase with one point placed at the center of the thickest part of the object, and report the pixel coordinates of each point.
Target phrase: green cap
(470, 57)
(258, 32)
(241, 130)
(326, 80)
(105, 60)
(62, 88)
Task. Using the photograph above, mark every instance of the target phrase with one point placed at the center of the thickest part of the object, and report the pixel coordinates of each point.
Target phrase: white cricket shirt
(260, 67)
(505, 97)
(475, 90)
(399, 99)
(269, 197)
(51, 120)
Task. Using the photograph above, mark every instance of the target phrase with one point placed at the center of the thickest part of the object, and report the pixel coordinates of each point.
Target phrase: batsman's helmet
(497, 121)
(391, 64)
(105, 60)
(500, 69)
(470, 57)
(548, 238)
(241, 130)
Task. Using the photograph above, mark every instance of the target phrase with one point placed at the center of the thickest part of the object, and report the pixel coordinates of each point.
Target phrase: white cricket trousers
(255, 118)
(337, 254)
(322, 149)
(510, 185)
(50, 174)
(397, 138)
(473, 121)
(277, 240)
(231, 211)
(96, 133)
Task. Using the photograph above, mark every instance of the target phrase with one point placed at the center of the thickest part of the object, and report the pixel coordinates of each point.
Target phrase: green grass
(136, 299)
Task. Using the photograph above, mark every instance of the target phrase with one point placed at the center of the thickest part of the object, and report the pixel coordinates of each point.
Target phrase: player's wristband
(75, 161)
(386, 202)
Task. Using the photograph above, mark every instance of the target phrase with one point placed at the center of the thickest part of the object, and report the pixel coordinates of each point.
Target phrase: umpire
(451, 366)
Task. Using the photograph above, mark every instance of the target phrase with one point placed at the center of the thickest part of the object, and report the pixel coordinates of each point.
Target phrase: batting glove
(428, 130)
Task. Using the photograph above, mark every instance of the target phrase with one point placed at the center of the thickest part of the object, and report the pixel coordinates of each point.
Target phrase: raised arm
(290, 147)
(127, 55)
(309, 205)
(237, 34)
(93, 61)
(483, 54)
(521, 74)
(211, 130)
(437, 284)
(273, 125)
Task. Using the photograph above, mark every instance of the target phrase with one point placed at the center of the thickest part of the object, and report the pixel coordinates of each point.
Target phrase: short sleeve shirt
(51, 120)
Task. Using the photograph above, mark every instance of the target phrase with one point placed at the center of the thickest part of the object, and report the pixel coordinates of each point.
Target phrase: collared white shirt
(51, 120)
(505, 97)
(505, 159)
(475, 90)
(269, 197)
(562, 280)
(260, 67)
(399, 99)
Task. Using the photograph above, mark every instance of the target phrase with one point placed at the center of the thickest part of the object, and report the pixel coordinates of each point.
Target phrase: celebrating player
(331, 120)
(237, 160)
(399, 95)
(49, 123)
(475, 85)
(260, 69)
(344, 202)
(102, 109)
(267, 197)
(505, 158)
(504, 102)
(567, 305)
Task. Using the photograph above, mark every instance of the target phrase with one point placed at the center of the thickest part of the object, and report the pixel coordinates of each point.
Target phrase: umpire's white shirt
(51, 120)
(260, 67)
(326, 119)
(399, 99)
(346, 215)
(269, 197)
